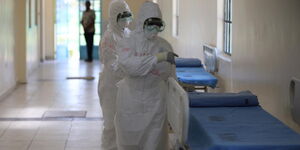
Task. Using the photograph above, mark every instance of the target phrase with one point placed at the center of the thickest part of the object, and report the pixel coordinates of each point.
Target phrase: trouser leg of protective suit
(154, 140)
(128, 147)
(109, 139)
(157, 139)
(107, 96)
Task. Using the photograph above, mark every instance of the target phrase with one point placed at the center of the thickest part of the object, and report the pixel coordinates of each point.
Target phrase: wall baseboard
(7, 92)
(50, 58)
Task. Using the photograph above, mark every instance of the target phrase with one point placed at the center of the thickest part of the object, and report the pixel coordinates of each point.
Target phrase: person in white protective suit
(147, 61)
(119, 19)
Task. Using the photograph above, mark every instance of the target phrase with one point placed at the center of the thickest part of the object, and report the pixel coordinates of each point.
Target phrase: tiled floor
(22, 126)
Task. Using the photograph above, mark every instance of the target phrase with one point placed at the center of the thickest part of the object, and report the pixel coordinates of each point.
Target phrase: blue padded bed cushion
(242, 99)
(238, 128)
(188, 62)
(196, 76)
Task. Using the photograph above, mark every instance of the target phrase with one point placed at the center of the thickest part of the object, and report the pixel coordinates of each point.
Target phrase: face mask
(151, 34)
(124, 22)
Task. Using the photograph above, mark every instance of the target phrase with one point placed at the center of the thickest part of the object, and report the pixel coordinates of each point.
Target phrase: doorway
(70, 41)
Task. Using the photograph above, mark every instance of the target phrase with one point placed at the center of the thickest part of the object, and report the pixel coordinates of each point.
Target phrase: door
(70, 42)
(96, 6)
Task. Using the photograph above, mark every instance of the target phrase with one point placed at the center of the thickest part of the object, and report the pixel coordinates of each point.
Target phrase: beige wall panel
(32, 49)
(48, 21)
(20, 40)
(7, 67)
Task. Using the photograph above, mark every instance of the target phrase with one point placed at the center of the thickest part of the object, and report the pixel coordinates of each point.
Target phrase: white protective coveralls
(107, 88)
(140, 121)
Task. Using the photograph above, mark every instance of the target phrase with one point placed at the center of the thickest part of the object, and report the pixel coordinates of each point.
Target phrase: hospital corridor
(25, 123)
(149, 75)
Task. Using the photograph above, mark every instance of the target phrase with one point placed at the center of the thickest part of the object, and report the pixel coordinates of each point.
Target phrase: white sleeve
(130, 63)
(173, 67)
(107, 50)
(168, 70)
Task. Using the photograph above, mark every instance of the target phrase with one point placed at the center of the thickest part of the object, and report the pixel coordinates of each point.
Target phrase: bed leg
(205, 89)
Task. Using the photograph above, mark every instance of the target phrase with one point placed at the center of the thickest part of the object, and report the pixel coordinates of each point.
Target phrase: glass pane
(225, 10)
(81, 5)
(98, 16)
(230, 39)
(67, 28)
(80, 15)
(96, 40)
(230, 10)
(228, 26)
(226, 38)
(82, 40)
(97, 6)
(81, 30)
(98, 29)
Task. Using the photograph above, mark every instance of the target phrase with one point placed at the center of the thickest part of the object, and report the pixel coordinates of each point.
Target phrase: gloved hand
(171, 57)
(166, 56)
(162, 56)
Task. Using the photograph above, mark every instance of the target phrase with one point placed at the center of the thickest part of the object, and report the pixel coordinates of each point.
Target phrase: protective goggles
(125, 16)
(154, 24)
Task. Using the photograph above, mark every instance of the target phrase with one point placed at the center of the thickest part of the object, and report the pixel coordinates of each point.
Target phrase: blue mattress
(196, 76)
(242, 99)
(238, 128)
(188, 62)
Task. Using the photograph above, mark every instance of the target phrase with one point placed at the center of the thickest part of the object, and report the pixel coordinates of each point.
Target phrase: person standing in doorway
(88, 23)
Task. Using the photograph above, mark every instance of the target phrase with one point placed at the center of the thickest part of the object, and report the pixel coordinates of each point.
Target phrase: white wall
(7, 70)
(32, 48)
(197, 25)
(19, 52)
(48, 29)
(266, 37)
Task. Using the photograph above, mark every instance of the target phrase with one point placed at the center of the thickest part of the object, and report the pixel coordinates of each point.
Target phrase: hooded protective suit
(107, 89)
(141, 106)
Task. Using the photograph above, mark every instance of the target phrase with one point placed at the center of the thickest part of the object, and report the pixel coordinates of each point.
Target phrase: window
(175, 18)
(228, 27)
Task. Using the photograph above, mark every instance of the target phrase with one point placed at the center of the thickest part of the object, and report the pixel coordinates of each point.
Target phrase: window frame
(175, 29)
(227, 27)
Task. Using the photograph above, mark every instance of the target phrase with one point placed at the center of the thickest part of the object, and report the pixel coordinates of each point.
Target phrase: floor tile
(87, 144)
(47, 145)
(14, 145)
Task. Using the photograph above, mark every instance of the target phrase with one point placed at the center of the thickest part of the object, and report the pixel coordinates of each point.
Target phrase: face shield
(154, 24)
(124, 17)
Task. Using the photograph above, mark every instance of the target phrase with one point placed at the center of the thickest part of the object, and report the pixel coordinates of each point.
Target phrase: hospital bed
(225, 121)
(192, 75)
